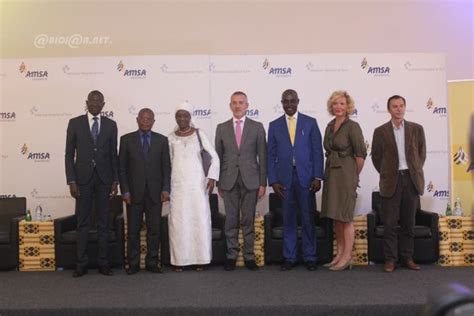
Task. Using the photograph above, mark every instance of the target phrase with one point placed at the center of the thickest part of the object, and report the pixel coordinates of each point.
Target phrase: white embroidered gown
(189, 224)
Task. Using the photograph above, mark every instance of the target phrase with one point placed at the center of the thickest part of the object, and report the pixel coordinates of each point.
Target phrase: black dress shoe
(105, 270)
(132, 270)
(287, 265)
(154, 269)
(79, 272)
(229, 265)
(251, 265)
(311, 265)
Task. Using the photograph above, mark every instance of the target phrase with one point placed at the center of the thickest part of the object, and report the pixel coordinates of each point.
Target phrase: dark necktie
(146, 145)
(95, 129)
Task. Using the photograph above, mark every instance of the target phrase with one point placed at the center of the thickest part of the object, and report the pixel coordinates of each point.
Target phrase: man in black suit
(92, 175)
(145, 184)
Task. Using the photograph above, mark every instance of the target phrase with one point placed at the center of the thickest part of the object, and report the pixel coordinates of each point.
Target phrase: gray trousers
(240, 201)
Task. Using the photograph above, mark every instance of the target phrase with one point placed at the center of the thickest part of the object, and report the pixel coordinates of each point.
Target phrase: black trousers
(400, 209)
(99, 193)
(135, 212)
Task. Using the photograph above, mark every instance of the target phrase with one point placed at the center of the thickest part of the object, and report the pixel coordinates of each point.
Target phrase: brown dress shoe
(411, 265)
(389, 266)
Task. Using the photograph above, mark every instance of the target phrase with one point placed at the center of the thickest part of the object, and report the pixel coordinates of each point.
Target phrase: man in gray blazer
(145, 184)
(241, 146)
(398, 154)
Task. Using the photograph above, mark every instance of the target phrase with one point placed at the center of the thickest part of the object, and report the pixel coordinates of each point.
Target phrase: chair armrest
(371, 224)
(268, 222)
(218, 221)
(14, 228)
(426, 218)
(64, 224)
(119, 225)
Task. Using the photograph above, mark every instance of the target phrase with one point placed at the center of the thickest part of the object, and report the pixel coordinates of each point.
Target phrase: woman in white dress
(190, 231)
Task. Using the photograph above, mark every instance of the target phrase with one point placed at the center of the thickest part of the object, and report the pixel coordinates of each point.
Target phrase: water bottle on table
(39, 213)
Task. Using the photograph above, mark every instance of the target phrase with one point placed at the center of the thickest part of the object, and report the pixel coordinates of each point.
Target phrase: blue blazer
(307, 151)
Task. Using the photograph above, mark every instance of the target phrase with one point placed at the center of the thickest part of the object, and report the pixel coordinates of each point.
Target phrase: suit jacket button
(95, 149)
(237, 166)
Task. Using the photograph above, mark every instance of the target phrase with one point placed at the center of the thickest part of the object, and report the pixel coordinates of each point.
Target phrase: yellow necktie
(292, 129)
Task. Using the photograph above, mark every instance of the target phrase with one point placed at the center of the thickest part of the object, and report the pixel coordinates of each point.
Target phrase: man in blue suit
(295, 171)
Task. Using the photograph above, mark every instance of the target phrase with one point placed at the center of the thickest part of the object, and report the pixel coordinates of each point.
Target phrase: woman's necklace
(184, 131)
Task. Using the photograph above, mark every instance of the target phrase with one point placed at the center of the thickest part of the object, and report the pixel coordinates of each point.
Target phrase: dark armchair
(11, 212)
(65, 238)
(273, 222)
(218, 235)
(426, 234)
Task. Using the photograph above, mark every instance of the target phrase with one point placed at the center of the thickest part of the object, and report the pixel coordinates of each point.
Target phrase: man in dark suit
(295, 171)
(242, 149)
(92, 175)
(145, 184)
(398, 154)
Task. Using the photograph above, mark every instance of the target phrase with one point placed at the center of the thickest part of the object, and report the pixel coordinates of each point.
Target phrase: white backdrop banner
(39, 96)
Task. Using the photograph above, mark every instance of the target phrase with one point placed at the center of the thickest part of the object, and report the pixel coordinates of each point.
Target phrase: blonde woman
(345, 155)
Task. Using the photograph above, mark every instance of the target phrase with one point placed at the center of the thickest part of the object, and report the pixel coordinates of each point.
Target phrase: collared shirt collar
(294, 115)
(90, 119)
(234, 119)
(402, 125)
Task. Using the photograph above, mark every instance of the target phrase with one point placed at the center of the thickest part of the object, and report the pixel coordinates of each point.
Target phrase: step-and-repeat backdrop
(39, 96)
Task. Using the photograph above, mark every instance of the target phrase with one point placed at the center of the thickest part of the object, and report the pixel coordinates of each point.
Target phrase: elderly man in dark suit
(145, 184)
(92, 175)
(241, 146)
(398, 154)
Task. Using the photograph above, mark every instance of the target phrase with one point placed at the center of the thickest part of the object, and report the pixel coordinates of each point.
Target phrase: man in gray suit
(145, 184)
(241, 146)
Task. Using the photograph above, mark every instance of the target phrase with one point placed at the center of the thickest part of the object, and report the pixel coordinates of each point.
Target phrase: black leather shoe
(79, 272)
(251, 265)
(154, 269)
(287, 265)
(229, 265)
(311, 265)
(105, 270)
(132, 270)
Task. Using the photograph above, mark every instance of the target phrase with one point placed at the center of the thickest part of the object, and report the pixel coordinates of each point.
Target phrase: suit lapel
(87, 128)
(102, 129)
(284, 127)
(408, 137)
(154, 145)
(231, 131)
(136, 144)
(299, 128)
(245, 131)
(391, 139)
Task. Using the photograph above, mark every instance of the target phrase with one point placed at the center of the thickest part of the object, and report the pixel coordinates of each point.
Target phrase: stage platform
(362, 291)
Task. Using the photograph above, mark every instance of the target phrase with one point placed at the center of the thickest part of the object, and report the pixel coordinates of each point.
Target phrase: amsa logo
(108, 114)
(35, 156)
(201, 113)
(276, 71)
(440, 110)
(131, 73)
(441, 194)
(33, 74)
(7, 116)
(375, 70)
(252, 113)
(7, 196)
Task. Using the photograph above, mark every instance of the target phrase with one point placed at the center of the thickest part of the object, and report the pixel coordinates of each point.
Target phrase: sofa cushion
(70, 236)
(277, 232)
(216, 234)
(420, 231)
(4, 237)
